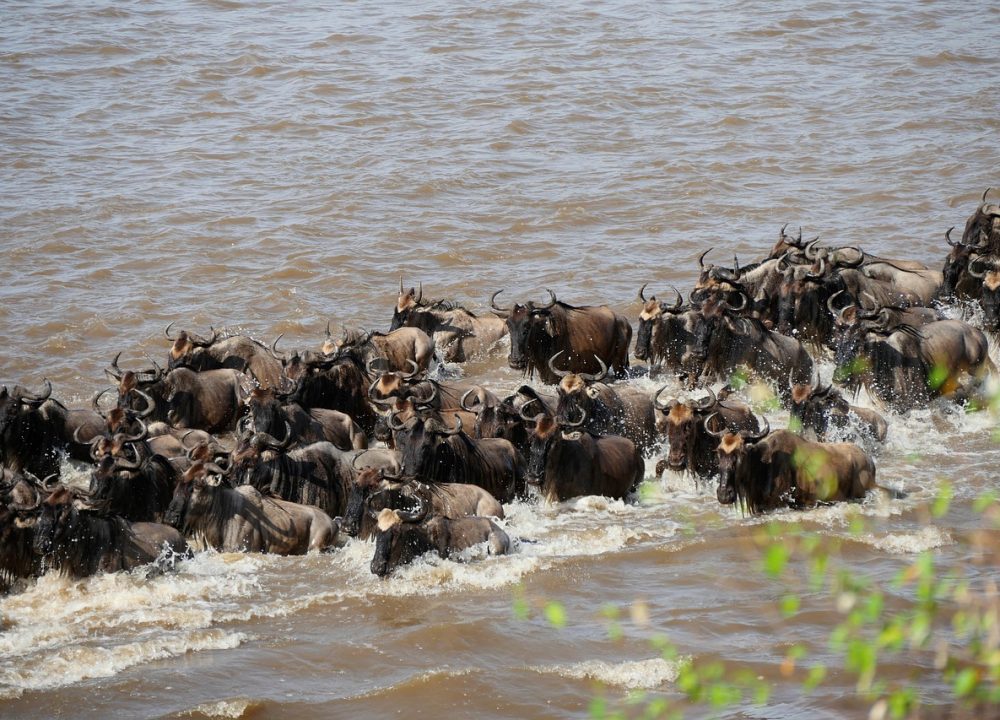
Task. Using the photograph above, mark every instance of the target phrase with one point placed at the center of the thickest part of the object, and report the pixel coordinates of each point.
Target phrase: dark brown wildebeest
(459, 335)
(570, 464)
(236, 352)
(79, 541)
(982, 229)
(32, 429)
(335, 382)
(395, 350)
(317, 474)
(243, 520)
(691, 445)
(20, 502)
(374, 490)
(211, 400)
(986, 272)
(666, 332)
(958, 281)
(404, 536)
(583, 334)
(905, 366)
(266, 413)
(624, 411)
(765, 471)
(725, 341)
(434, 453)
(820, 411)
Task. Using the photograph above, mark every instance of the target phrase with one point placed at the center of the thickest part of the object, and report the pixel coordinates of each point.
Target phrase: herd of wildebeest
(241, 446)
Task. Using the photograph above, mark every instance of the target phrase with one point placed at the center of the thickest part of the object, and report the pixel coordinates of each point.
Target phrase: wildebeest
(266, 413)
(335, 382)
(434, 453)
(583, 334)
(570, 464)
(242, 520)
(129, 479)
(20, 502)
(316, 474)
(767, 470)
(725, 341)
(821, 410)
(691, 444)
(957, 280)
(459, 335)
(31, 431)
(666, 332)
(236, 352)
(986, 271)
(624, 411)
(905, 366)
(982, 229)
(211, 400)
(375, 490)
(403, 537)
(79, 541)
(395, 350)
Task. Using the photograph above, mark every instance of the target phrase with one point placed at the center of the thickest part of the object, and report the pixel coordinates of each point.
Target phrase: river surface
(266, 167)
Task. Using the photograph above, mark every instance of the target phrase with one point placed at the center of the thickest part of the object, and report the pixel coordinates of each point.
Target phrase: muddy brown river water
(265, 167)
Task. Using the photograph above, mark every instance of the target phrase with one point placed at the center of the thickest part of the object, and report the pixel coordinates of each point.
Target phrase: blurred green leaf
(790, 605)
(775, 558)
(965, 682)
(816, 675)
(555, 613)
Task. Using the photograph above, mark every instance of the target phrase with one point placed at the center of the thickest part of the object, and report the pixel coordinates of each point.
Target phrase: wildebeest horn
(552, 295)
(420, 292)
(371, 395)
(679, 303)
(370, 366)
(274, 349)
(457, 429)
(708, 402)
(869, 296)
(429, 400)
(974, 273)
(530, 418)
(663, 406)
(810, 250)
(558, 373)
(79, 441)
(199, 340)
(497, 310)
(273, 442)
(394, 422)
(465, 396)
(753, 437)
(947, 236)
(30, 399)
(400, 284)
(417, 515)
(642, 297)
(95, 402)
(714, 433)
(985, 193)
(143, 432)
(742, 307)
(414, 371)
(166, 331)
(736, 265)
(578, 423)
(599, 376)
(701, 259)
(819, 274)
(150, 404)
(830, 306)
(354, 460)
(126, 464)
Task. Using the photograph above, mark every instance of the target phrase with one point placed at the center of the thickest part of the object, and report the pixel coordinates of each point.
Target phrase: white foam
(235, 708)
(636, 675)
(927, 538)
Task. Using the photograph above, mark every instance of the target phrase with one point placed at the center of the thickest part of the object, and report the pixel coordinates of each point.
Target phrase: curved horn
(599, 376)
(143, 432)
(95, 402)
(417, 515)
(985, 193)
(701, 258)
(416, 369)
(394, 422)
(150, 404)
(578, 423)
(377, 401)
(126, 464)
(742, 307)
(273, 442)
(947, 236)
(810, 250)
(530, 418)
(707, 402)
(354, 460)
(497, 310)
(753, 437)
(429, 400)
(642, 297)
(819, 274)
(736, 266)
(79, 441)
(558, 373)
(465, 397)
(710, 431)
(829, 305)
(274, 349)
(551, 303)
(166, 331)
(420, 291)
(662, 406)
(457, 429)
(974, 273)
(680, 300)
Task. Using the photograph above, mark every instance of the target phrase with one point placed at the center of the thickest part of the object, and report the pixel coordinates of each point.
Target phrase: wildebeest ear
(549, 327)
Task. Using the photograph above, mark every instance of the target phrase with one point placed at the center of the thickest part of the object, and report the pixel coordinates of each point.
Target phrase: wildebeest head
(735, 459)
(422, 441)
(400, 538)
(374, 490)
(13, 403)
(193, 494)
(255, 448)
(406, 303)
(800, 298)
(813, 405)
(982, 230)
(680, 422)
(545, 432)
(141, 392)
(530, 326)
(188, 349)
(578, 392)
(57, 520)
(713, 314)
(987, 270)
(651, 314)
(502, 420)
